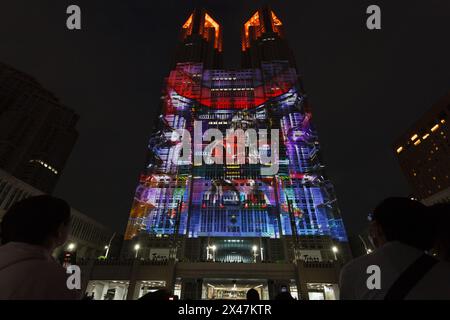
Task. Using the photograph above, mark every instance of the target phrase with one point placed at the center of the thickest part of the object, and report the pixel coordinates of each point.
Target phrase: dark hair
(404, 220)
(252, 294)
(34, 219)
(440, 213)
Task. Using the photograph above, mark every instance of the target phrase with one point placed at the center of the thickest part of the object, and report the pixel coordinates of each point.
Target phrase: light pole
(368, 250)
(255, 250)
(335, 251)
(109, 245)
(137, 246)
(214, 252)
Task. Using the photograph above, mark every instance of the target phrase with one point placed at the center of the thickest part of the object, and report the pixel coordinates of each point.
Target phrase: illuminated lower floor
(130, 280)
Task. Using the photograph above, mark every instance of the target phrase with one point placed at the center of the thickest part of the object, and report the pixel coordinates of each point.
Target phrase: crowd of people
(412, 255)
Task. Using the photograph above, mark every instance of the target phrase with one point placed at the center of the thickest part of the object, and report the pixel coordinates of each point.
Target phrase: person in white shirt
(30, 230)
(402, 230)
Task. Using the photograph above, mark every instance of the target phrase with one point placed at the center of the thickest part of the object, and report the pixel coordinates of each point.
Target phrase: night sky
(366, 87)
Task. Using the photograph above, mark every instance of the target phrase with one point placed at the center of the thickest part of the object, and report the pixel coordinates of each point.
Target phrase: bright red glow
(185, 85)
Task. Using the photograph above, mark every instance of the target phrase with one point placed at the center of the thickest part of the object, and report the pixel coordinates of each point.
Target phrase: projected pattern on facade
(235, 200)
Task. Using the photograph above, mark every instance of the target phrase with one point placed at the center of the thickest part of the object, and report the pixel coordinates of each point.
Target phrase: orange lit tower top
(262, 22)
(201, 40)
(263, 39)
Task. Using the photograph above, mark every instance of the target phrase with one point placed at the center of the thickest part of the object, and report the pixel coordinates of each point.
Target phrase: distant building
(424, 154)
(37, 133)
(87, 238)
(90, 239)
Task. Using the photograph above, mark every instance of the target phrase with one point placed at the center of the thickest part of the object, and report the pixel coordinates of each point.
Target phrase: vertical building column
(86, 272)
(133, 290)
(98, 290)
(302, 288)
(105, 290)
(199, 288)
(170, 277)
(337, 291)
(118, 295)
(132, 293)
(271, 289)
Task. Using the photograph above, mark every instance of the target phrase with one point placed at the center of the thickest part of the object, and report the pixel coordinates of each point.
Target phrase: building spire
(263, 39)
(200, 40)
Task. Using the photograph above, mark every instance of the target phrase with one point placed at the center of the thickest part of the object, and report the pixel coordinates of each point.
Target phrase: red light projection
(226, 94)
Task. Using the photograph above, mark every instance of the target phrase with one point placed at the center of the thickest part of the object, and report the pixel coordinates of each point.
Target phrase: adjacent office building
(214, 229)
(37, 133)
(87, 238)
(424, 154)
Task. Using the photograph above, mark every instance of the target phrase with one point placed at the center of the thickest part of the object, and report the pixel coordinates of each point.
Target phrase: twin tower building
(228, 226)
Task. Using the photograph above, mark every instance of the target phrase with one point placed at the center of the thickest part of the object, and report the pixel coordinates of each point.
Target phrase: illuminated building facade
(424, 152)
(232, 212)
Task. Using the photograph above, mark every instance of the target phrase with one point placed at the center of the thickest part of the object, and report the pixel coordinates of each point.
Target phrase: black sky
(366, 87)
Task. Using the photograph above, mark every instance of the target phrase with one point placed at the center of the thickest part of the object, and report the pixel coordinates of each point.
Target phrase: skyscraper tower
(37, 132)
(200, 40)
(233, 211)
(263, 40)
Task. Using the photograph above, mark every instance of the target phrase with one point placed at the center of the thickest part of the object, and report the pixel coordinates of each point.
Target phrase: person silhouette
(402, 242)
(30, 231)
(252, 295)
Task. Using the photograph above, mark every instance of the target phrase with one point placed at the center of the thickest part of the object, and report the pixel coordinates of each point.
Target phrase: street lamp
(109, 245)
(255, 249)
(335, 251)
(137, 246)
(107, 251)
(214, 252)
